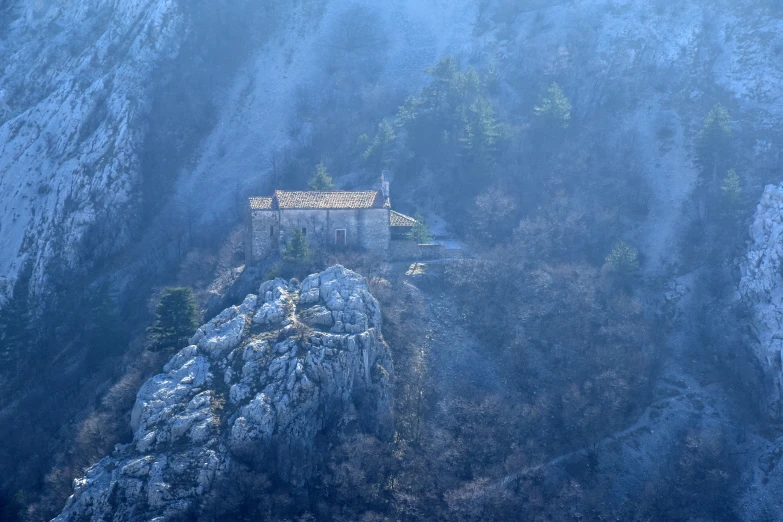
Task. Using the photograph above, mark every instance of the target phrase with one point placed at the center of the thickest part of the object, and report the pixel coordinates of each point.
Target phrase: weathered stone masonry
(359, 220)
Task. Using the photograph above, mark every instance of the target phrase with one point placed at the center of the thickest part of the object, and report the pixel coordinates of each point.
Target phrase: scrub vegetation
(584, 357)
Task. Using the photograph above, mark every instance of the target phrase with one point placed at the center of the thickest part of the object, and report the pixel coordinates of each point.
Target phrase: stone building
(355, 220)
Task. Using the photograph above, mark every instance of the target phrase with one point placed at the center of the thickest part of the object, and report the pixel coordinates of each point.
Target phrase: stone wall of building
(265, 235)
(247, 218)
(374, 230)
(432, 251)
(317, 225)
(405, 250)
(365, 229)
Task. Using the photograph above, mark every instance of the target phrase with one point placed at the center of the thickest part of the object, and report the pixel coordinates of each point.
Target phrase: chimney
(385, 184)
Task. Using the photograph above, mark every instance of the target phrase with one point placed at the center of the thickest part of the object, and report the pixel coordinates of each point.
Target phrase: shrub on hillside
(622, 260)
(568, 335)
(298, 256)
(419, 232)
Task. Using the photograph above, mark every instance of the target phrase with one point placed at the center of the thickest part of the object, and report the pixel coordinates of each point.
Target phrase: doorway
(339, 237)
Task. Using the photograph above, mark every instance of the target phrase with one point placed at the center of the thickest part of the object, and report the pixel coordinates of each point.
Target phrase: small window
(272, 231)
(304, 231)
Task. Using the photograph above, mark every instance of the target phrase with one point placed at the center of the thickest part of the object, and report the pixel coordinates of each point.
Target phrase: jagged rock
(761, 286)
(277, 303)
(225, 331)
(317, 316)
(243, 391)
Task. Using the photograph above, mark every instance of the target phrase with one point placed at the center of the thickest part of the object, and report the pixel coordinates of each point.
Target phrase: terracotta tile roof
(261, 203)
(330, 200)
(401, 220)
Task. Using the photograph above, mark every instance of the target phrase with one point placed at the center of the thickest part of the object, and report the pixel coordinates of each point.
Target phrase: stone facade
(260, 245)
(361, 220)
(366, 229)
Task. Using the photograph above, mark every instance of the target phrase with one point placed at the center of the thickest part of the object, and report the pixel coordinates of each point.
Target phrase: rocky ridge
(258, 383)
(761, 287)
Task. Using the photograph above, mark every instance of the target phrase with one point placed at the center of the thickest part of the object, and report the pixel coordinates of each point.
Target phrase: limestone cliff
(259, 383)
(72, 101)
(761, 287)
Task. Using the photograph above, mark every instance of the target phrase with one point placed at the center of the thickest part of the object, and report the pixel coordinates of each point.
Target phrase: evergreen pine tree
(554, 108)
(714, 140)
(297, 250)
(731, 188)
(176, 319)
(321, 180)
(453, 117)
(376, 152)
(621, 265)
(732, 196)
(481, 133)
(15, 327)
(623, 259)
(551, 119)
(298, 257)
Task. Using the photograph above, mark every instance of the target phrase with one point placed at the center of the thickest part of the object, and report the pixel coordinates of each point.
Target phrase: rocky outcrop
(259, 383)
(761, 286)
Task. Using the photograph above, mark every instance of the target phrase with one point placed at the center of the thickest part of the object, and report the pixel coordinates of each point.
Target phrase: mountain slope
(72, 107)
(123, 123)
(93, 115)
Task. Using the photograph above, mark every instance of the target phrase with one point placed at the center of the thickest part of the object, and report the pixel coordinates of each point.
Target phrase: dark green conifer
(453, 119)
(176, 319)
(104, 332)
(713, 144)
(420, 233)
(554, 108)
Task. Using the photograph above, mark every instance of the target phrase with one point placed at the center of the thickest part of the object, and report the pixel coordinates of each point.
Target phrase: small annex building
(339, 220)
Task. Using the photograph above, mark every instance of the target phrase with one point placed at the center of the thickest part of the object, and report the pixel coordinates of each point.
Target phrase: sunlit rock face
(72, 104)
(761, 287)
(258, 383)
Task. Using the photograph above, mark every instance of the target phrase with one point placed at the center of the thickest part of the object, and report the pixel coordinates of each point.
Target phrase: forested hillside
(605, 346)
